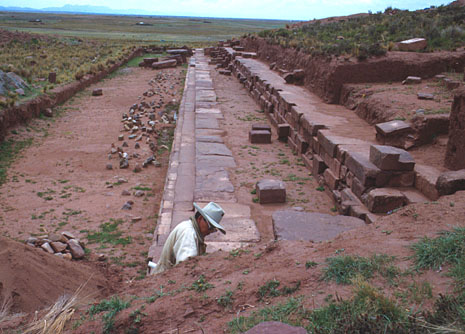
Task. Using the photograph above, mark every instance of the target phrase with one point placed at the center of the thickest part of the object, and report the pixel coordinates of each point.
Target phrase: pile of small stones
(139, 130)
(64, 245)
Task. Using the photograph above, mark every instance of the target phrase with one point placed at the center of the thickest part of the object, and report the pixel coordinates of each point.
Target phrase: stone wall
(23, 112)
(325, 76)
(455, 154)
(360, 177)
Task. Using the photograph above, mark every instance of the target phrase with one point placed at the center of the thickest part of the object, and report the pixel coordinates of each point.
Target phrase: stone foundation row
(360, 177)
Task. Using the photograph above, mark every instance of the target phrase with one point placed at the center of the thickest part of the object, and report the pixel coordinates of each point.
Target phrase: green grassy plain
(158, 29)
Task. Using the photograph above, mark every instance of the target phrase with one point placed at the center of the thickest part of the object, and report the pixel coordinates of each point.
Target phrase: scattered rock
(121, 137)
(58, 246)
(48, 112)
(125, 193)
(136, 219)
(137, 168)
(425, 96)
(109, 166)
(76, 250)
(139, 193)
(411, 80)
(97, 92)
(127, 206)
(101, 257)
(123, 163)
(46, 247)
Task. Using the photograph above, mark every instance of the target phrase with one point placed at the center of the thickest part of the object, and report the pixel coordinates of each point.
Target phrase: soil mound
(33, 279)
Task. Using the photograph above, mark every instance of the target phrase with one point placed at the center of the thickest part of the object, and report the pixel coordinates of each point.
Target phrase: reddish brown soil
(260, 161)
(61, 184)
(76, 150)
(243, 273)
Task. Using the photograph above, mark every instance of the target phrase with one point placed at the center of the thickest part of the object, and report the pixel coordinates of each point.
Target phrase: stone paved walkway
(198, 170)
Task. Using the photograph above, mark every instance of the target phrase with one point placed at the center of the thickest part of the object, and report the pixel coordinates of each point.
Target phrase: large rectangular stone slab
(237, 230)
(393, 128)
(206, 123)
(212, 149)
(316, 227)
(450, 182)
(215, 161)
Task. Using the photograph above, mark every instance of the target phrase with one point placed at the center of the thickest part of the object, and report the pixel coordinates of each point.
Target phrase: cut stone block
(455, 152)
(425, 181)
(164, 64)
(97, 92)
(331, 180)
(357, 187)
(411, 80)
(283, 130)
(364, 170)
(383, 200)
(425, 96)
(275, 327)
(401, 179)
(450, 182)
(263, 127)
(224, 72)
(311, 226)
(452, 84)
(414, 196)
(391, 158)
(413, 44)
(318, 165)
(329, 142)
(260, 137)
(271, 191)
(393, 128)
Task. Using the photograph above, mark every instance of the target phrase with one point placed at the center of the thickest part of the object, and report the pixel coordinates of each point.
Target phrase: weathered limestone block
(390, 158)
(383, 200)
(271, 191)
(414, 44)
(425, 181)
(455, 152)
(260, 137)
(450, 182)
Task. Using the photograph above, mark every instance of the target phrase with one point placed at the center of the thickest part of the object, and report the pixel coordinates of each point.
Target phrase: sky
(266, 9)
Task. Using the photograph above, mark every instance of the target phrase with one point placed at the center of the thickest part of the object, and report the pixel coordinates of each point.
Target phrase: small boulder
(97, 92)
(76, 249)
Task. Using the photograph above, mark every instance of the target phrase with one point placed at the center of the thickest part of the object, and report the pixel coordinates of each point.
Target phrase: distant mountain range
(79, 9)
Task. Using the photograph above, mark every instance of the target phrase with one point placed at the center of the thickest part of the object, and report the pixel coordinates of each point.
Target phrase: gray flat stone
(205, 95)
(209, 139)
(311, 226)
(215, 180)
(275, 327)
(203, 161)
(206, 123)
(237, 230)
(213, 149)
(393, 128)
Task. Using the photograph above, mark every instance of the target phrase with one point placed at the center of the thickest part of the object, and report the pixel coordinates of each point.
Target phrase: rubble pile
(64, 245)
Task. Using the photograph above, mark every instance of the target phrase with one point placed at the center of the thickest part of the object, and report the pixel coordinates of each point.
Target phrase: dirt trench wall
(325, 76)
(455, 154)
(26, 111)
